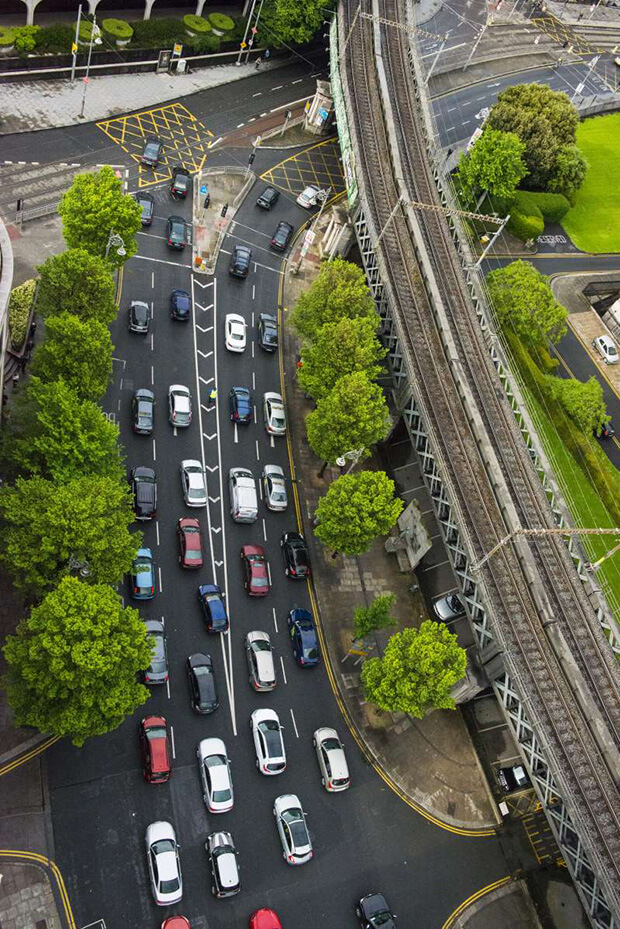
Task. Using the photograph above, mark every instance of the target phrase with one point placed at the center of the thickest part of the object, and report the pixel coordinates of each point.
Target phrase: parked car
(193, 483)
(240, 261)
(259, 655)
(268, 332)
(143, 575)
(243, 498)
(162, 853)
(268, 742)
(332, 760)
(179, 406)
(274, 488)
(214, 768)
(295, 554)
(144, 492)
(255, 570)
(606, 347)
(176, 232)
(310, 196)
(147, 205)
(268, 199)
(241, 405)
(210, 598)
(265, 918)
(202, 685)
(180, 305)
(234, 332)
(143, 411)
(157, 671)
(153, 148)
(176, 922)
(282, 235)
(190, 542)
(273, 414)
(373, 912)
(607, 431)
(304, 639)
(155, 749)
(223, 863)
(448, 608)
(292, 829)
(181, 183)
(139, 316)
(512, 778)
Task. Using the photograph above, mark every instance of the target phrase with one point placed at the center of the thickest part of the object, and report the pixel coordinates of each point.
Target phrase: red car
(190, 542)
(256, 570)
(155, 745)
(176, 922)
(265, 919)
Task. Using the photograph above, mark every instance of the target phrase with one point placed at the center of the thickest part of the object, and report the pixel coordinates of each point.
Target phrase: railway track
(532, 591)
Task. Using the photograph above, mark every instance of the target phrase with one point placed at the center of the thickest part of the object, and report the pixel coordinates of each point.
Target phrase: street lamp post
(75, 44)
(117, 241)
(95, 39)
(354, 456)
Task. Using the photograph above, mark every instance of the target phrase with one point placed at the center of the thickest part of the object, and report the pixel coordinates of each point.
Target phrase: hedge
(221, 21)
(525, 227)
(117, 28)
(196, 23)
(20, 304)
(7, 37)
(157, 33)
(56, 38)
(203, 44)
(553, 207)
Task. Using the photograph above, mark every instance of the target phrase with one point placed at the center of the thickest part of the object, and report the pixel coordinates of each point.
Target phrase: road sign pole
(244, 41)
(75, 44)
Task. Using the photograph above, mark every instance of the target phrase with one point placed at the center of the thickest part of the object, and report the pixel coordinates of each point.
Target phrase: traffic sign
(203, 189)
(243, 45)
(323, 114)
(254, 30)
(178, 48)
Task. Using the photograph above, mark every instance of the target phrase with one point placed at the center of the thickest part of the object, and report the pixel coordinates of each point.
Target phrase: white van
(243, 498)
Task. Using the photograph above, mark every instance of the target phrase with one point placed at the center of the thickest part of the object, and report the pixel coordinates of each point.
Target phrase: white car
(193, 483)
(259, 655)
(268, 742)
(606, 347)
(273, 414)
(448, 608)
(310, 196)
(275, 488)
(332, 761)
(162, 853)
(215, 775)
(235, 333)
(292, 828)
(179, 405)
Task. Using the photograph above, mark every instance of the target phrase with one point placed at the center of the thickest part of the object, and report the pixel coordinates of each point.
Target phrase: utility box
(320, 109)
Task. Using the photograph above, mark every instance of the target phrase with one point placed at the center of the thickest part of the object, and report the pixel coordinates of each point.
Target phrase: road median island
(218, 192)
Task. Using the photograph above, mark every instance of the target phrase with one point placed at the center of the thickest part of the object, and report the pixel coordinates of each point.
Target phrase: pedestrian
(267, 54)
(259, 62)
(212, 396)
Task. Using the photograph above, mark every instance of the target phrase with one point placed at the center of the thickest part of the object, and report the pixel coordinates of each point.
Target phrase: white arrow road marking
(205, 328)
(205, 381)
(219, 563)
(216, 529)
(200, 284)
(214, 499)
(210, 437)
(204, 354)
(214, 468)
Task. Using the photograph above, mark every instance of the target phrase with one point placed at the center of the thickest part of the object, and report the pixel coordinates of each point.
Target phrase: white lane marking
(269, 573)
(157, 530)
(258, 459)
(283, 671)
(210, 437)
(161, 261)
(252, 349)
(253, 378)
(263, 114)
(252, 319)
(174, 751)
(214, 499)
(272, 443)
(298, 81)
(153, 279)
(236, 438)
(216, 142)
(160, 581)
(278, 87)
(275, 621)
(152, 376)
(260, 488)
(154, 450)
(294, 723)
(264, 530)
(216, 530)
(152, 336)
(168, 687)
(254, 412)
(203, 308)
(240, 125)
(253, 298)
(259, 94)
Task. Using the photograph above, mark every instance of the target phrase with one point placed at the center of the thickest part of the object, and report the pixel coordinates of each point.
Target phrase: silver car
(274, 486)
(268, 742)
(273, 414)
(332, 761)
(215, 775)
(179, 405)
(448, 608)
(193, 483)
(162, 853)
(292, 829)
(259, 655)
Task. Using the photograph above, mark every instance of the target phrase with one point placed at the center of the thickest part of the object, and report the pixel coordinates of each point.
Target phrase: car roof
(242, 250)
(144, 553)
(235, 318)
(154, 626)
(142, 393)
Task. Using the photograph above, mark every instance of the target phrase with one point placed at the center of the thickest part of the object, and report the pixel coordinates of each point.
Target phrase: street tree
(355, 510)
(494, 165)
(93, 208)
(525, 303)
(367, 619)
(417, 671)
(78, 351)
(290, 21)
(338, 292)
(569, 171)
(73, 664)
(353, 415)
(583, 402)
(77, 282)
(49, 527)
(340, 348)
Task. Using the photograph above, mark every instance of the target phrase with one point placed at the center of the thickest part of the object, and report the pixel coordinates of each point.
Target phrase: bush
(221, 21)
(553, 207)
(117, 28)
(85, 31)
(20, 305)
(525, 227)
(204, 44)
(7, 37)
(25, 38)
(239, 31)
(157, 33)
(196, 23)
(56, 38)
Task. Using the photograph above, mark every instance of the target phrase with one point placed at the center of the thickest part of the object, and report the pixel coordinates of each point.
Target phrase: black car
(147, 205)
(181, 183)
(268, 198)
(513, 778)
(282, 235)
(240, 261)
(295, 553)
(153, 149)
(139, 316)
(241, 405)
(157, 671)
(202, 686)
(374, 913)
(144, 490)
(268, 332)
(143, 411)
(180, 305)
(607, 431)
(176, 232)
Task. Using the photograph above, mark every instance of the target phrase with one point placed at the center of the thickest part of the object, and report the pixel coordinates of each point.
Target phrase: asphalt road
(365, 839)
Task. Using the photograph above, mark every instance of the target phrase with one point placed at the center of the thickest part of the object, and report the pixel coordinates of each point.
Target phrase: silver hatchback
(259, 656)
(274, 487)
(332, 761)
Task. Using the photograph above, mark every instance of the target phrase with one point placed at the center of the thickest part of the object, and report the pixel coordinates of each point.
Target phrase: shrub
(204, 44)
(525, 227)
(239, 31)
(221, 21)
(25, 38)
(7, 37)
(553, 207)
(56, 38)
(20, 305)
(85, 31)
(196, 23)
(157, 33)
(117, 28)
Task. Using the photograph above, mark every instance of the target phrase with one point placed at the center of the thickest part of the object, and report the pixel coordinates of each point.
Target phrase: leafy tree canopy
(286, 21)
(569, 171)
(338, 292)
(77, 282)
(494, 164)
(418, 669)
(340, 348)
(79, 351)
(524, 302)
(367, 619)
(582, 400)
(355, 510)
(73, 664)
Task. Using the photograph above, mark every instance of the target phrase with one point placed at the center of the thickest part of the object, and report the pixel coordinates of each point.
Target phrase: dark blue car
(180, 305)
(303, 638)
(210, 597)
(241, 405)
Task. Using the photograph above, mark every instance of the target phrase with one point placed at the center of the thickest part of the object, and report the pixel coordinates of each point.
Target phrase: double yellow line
(9, 854)
(452, 918)
(28, 756)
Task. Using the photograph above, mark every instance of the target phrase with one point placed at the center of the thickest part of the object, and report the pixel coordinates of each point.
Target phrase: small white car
(332, 761)
(162, 853)
(235, 333)
(193, 483)
(448, 608)
(179, 405)
(275, 488)
(273, 414)
(215, 775)
(292, 828)
(259, 655)
(606, 347)
(268, 742)
(309, 196)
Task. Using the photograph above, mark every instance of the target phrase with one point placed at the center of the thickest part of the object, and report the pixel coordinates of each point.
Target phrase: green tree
(58, 436)
(290, 21)
(45, 524)
(79, 352)
(355, 510)
(417, 671)
(569, 171)
(354, 415)
(92, 208)
(77, 282)
(494, 164)
(367, 619)
(339, 291)
(582, 400)
(73, 664)
(525, 303)
(340, 348)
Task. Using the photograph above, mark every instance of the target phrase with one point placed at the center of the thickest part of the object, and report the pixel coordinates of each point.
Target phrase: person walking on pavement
(212, 396)
(259, 62)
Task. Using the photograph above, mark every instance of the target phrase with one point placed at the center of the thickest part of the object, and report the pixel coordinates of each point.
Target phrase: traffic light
(224, 210)
(251, 158)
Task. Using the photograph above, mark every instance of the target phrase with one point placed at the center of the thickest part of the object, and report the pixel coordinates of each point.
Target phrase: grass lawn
(594, 222)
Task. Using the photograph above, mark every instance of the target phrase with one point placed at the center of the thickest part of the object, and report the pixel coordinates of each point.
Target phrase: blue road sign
(203, 189)
(323, 114)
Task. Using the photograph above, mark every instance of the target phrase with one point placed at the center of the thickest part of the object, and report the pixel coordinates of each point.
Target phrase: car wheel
(286, 571)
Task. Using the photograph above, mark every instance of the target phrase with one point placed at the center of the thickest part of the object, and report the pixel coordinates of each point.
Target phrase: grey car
(143, 411)
(274, 486)
(448, 608)
(139, 316)
(157, 671)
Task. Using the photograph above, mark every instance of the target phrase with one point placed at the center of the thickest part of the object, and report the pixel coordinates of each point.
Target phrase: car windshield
(177, 229)
(151, 149)
(203, 671)
(181, 180)
(237, 334)
(164, 845)
(155, 733)
(297, 826)
(261, 646)
(330, 744)
(310, 653)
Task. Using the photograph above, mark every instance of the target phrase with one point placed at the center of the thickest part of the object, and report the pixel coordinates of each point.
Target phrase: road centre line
(264, 530)
(287, 106)
(168, 688)
(259, 94)
(283, 671)
(258, 459)
(174, 752)
(275, 620)
(294, 723)
(162, 261)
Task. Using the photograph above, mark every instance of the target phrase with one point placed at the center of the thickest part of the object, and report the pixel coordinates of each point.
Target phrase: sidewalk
(27, 897)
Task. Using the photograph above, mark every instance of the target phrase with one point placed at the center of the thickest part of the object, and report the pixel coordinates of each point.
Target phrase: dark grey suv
(144, 489)
(240, 261)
